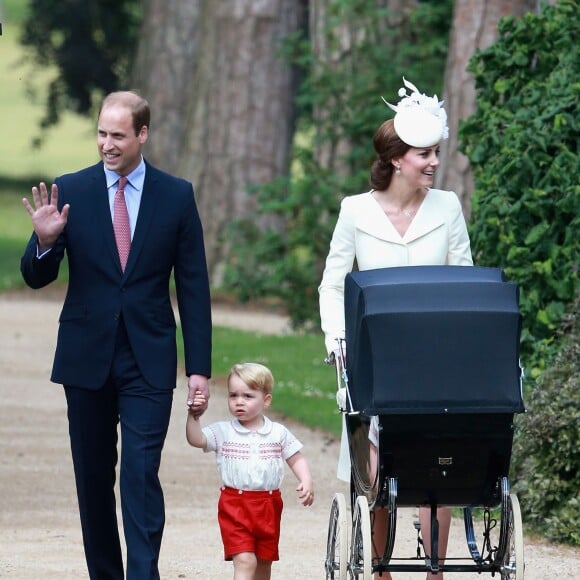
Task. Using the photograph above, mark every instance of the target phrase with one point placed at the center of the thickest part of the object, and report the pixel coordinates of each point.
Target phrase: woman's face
(418, 166)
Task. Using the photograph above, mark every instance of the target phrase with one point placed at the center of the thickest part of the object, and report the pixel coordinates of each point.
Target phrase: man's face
(119, 147)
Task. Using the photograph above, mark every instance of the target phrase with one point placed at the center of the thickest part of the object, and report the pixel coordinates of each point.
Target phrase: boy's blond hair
(256, 376)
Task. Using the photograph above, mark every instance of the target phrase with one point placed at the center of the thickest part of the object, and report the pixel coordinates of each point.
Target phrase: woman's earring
(398, 169)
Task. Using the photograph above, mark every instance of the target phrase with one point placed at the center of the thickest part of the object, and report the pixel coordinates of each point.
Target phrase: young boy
(250, 452)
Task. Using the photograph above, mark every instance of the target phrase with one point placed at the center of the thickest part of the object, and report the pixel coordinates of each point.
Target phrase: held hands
(197, 405)
(198, 395)
(48, 222)
(193, 431)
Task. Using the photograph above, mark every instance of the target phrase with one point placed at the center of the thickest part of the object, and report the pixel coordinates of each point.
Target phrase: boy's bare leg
(245, 566)
(264, 570)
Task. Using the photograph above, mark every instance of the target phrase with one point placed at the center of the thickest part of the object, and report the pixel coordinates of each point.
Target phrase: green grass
(14, 220)
(15, 229)
(10, 252)
(304, 386)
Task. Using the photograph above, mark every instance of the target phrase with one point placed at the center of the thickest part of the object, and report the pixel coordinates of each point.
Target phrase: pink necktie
(121, 223)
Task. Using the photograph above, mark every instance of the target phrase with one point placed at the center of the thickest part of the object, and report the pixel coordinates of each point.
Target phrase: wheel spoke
(337, 542)
(360, 561)
(512, 566)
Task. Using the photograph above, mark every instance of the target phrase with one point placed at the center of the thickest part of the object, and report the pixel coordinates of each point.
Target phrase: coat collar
(372, 220)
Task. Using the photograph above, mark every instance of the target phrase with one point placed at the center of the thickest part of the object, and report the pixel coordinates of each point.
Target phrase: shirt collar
(263, 430)
(136, 178)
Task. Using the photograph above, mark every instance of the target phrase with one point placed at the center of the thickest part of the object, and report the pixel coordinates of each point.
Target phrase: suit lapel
(146, 212)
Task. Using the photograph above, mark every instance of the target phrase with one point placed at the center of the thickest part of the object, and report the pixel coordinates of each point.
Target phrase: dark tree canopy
(91, 42)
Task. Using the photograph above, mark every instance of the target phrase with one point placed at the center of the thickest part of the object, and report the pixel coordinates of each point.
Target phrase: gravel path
(39, 527)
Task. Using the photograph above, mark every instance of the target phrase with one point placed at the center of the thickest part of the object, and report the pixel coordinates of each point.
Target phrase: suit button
(116, 317)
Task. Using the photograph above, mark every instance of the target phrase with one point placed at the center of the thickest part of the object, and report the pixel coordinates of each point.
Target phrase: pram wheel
(502, 549)
(512, 566)
(360, 562)
(337, 541)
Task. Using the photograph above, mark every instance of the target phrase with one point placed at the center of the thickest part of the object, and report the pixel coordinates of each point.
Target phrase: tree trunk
(474, 27)
(222, 101)
(166, 64)
(240, 119)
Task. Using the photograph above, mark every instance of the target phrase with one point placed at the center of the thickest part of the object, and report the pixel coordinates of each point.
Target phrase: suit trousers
(143, 413)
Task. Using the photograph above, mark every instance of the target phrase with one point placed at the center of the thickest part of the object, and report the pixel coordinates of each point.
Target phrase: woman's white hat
(420, 121)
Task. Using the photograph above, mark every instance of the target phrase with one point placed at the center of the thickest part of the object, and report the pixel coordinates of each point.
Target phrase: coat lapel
(428, 218)
(372, 220)
(146, 212)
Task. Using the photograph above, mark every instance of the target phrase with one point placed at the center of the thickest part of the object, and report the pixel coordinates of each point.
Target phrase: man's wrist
(45, 245)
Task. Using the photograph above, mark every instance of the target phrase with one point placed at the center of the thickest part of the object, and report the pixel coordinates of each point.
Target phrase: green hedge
(523, 147)
(547, 450)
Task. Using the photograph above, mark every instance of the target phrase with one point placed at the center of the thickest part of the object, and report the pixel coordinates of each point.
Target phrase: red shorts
(250, 522)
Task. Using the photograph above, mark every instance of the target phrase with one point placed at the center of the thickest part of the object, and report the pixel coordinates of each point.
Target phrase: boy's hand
(305, 493)
(197, 385)
(198, 405)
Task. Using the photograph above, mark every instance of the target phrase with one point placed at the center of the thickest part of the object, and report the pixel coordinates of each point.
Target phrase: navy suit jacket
(168, 236)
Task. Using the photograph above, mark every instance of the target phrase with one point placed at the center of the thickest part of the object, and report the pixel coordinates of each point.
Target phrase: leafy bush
(523, 147)
(546, 448)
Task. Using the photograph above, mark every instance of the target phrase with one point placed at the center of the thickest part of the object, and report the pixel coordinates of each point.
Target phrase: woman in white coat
(401, 221)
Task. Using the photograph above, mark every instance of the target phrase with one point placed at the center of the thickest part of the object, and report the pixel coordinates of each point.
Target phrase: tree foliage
(523, 147)
(288, 264)
(546, 448)
(91, 42)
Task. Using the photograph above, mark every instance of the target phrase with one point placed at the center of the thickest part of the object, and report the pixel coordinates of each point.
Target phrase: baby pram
(431, 380)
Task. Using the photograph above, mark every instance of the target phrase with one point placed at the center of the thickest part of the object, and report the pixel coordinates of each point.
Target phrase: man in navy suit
(116, 351)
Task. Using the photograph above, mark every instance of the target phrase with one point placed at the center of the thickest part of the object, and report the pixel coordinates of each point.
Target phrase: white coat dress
(437, 235)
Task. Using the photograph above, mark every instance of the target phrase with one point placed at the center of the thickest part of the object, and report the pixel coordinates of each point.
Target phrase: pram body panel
(432, 339)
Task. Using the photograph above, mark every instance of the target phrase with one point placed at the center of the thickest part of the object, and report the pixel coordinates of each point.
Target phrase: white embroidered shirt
(251, 460)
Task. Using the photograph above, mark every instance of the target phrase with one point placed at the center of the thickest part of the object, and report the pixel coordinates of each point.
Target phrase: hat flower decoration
(420, 121)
